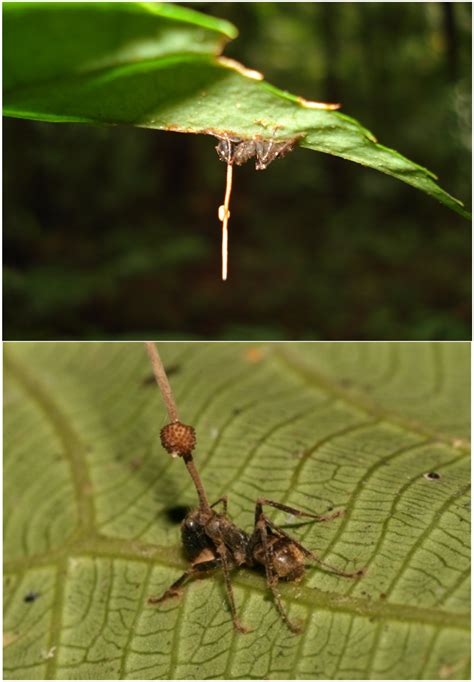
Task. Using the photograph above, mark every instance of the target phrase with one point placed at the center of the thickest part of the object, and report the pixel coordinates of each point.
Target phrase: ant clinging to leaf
(212, 541)
(232, 149)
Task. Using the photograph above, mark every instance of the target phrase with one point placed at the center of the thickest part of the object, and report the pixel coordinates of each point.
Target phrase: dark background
(113, 232)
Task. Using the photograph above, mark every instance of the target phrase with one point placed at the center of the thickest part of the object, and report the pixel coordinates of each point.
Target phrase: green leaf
(46, 42)
(155, 65)
(89, 494)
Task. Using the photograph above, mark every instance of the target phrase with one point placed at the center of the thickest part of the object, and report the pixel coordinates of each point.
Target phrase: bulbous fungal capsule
(178, 439)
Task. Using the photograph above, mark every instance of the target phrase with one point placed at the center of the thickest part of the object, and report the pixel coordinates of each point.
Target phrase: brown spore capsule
(178, 439)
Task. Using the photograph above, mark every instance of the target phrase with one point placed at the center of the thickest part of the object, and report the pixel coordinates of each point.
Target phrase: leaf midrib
(101, 547)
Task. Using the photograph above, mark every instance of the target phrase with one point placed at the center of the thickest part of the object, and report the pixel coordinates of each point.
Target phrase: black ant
(235, 150)
(211, 540)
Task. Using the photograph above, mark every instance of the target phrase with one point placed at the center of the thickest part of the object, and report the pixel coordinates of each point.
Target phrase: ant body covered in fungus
(212, 541)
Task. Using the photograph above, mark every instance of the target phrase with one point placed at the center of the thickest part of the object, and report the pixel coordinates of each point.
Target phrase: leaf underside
(90, 500)
(157, 66)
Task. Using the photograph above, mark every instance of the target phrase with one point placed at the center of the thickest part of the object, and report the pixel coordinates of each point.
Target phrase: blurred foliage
(113, 232)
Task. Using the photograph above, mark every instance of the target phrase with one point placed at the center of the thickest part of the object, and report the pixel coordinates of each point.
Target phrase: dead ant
(211, 540)
(235, 150)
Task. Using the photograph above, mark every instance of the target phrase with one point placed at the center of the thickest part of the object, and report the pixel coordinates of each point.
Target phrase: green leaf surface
(89, 493)
(156, 65)
(53, 41)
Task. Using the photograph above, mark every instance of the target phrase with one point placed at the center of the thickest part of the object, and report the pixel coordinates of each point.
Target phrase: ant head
(192, 521)
(193, 534)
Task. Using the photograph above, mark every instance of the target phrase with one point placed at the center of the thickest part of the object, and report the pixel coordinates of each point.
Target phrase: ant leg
(311, 555)
(272, 579)
(222, 499)
(174, 589)
(294, 512)
(222, 551)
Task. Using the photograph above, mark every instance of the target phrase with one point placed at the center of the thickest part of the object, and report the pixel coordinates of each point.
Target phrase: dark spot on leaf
(177, 514)
(236, 410)
(31, 597)
(432, 476)
(149, 380)
(382, 595)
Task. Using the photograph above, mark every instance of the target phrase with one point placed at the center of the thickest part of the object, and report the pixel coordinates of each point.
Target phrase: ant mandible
(212, 541)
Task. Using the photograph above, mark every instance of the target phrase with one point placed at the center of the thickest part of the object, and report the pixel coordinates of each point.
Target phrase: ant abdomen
(288, 561)
(220, 528)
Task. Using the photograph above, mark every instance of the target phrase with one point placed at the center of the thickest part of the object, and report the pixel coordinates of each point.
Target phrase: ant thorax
(235, 539)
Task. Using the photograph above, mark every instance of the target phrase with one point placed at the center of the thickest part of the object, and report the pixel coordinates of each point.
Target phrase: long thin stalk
(165, 388)
(162, 381)
(224, 215)
(193, 472)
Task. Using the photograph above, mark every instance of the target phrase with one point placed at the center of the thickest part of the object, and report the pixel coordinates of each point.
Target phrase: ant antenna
(177, 438)
(224, 215)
